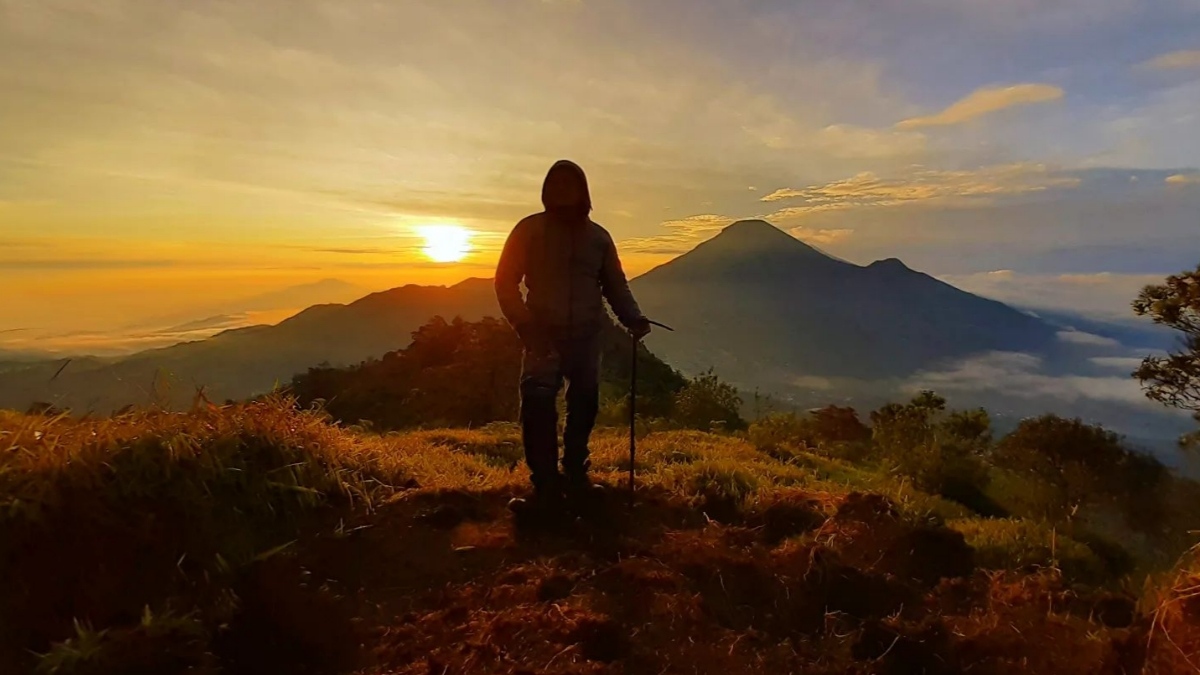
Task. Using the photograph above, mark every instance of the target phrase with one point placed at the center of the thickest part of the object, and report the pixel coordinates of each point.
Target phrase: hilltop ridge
(267, 540)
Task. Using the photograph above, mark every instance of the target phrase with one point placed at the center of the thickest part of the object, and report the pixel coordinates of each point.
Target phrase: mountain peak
(890, 264)
(756, 237)
(753, 228)
(747, 247)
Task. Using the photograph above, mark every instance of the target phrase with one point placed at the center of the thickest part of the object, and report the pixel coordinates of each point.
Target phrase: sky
(162, 158)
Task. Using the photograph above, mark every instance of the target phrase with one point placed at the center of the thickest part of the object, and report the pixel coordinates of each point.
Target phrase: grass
(258, 538)
(157, 643)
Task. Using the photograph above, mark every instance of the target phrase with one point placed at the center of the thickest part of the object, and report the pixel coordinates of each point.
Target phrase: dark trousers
(578, 362)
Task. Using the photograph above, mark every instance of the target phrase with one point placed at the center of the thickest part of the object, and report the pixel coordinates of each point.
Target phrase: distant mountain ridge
(764, 309)
(243, 362)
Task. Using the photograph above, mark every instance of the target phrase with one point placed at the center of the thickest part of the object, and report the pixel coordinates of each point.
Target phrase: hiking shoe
(541, 502)
(582, 494)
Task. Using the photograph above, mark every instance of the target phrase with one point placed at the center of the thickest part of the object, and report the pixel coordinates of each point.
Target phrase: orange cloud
(985, 101)
(681, 235)
(869, 190)
(1184, 179)
(817, 236)
(1185, 58)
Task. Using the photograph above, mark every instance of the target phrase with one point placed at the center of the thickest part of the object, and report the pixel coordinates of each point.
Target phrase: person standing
(569, 266)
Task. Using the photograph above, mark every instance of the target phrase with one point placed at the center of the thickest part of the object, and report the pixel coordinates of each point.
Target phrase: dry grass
(256, 538)
(1174, 641)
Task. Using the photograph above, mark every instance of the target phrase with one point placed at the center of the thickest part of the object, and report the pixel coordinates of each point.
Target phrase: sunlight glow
(445, 243)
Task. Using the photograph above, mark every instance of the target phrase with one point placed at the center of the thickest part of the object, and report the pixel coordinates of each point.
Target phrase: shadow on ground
(445, 582)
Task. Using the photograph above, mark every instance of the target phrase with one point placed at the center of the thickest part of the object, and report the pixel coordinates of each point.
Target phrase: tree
(836, 424)
(972, 427)
(833, 430)
(1174, 379)
(898, 430)
(940, 453)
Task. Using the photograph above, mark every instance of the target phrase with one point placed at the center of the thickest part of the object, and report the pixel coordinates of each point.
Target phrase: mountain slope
(247, 361)
(757, 300)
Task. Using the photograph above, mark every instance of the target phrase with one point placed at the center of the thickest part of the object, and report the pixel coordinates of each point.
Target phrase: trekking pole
(633, 408)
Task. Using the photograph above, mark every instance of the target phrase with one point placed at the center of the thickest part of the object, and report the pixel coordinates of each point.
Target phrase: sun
(445, 243)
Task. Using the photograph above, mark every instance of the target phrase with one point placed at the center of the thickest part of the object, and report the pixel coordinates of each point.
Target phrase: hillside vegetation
(258, 538)
(464, 374)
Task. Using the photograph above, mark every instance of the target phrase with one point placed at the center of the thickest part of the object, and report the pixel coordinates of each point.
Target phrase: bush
(835, 431)
(1022, 546)
(1084, 464)
(780, 431)
(836, 424)
(1022, 495)
(706, 403)
(946, 469)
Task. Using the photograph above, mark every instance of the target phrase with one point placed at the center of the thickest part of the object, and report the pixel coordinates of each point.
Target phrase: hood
(565, 190)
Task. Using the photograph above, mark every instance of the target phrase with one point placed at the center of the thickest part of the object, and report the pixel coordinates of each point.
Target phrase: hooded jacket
(568, 264)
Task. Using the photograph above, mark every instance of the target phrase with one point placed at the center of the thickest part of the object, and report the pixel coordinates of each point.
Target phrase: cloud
(1020, 375)
(792, 193)
(85, 264)
(123, 342)
(1033, 16)
(1094, 279)
(685, 234)
(867, 190)
(1184, 179)
(985, 101)
(812, 382)
(1101, 295)
(353, 116)
(698, 225)
(818, 236)
(1184, 58)
(368, 108)
(929, 186)
(1125, 363)
(853, 142)
(361, 251)
(682, 235)
(1078, 337)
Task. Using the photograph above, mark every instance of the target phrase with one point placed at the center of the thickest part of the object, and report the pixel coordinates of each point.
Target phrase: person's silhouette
(569, 265)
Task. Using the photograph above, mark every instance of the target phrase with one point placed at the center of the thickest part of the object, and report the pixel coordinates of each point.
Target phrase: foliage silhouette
(465, 373)
(1174, 380)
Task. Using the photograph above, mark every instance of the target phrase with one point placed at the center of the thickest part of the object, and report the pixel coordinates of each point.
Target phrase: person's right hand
(640, 329)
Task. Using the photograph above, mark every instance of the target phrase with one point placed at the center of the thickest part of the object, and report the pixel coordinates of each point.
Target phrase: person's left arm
(616, 290)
